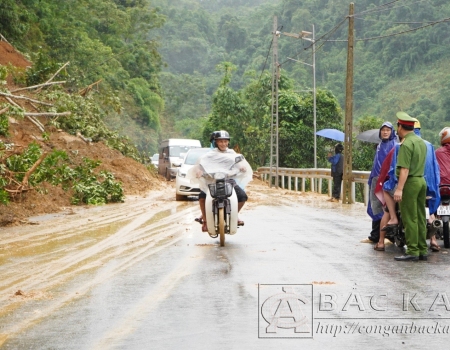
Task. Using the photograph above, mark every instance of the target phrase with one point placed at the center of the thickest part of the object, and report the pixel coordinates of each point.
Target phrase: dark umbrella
(333, 134)
(371, 136)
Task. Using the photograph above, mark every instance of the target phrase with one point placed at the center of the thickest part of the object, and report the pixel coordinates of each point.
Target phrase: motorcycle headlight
(219, 176)
(221, 189)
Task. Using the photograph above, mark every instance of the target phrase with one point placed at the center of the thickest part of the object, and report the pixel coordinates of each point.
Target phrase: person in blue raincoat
(337, 171)
(432, 179)
(374, 207)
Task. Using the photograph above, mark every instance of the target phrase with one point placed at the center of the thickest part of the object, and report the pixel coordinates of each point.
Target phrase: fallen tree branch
(20, 190)
(85, 139)
(25, 98)
(40, 85)
(6, 156)
(46, 114)
(33, 168)
(88, 88)
(53, 76)
(31, 119)
(37, 121)
(2, 38)
(3, 110)
(12, 102)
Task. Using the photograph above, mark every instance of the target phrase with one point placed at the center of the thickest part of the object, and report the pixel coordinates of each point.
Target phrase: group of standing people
(407, 172)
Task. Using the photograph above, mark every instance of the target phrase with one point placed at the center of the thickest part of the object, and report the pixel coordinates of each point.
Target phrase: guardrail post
(303, 184)
(330, 187)
(319, 190)
(353, 192)
(366, 194)
(289, 182)
(282, 181)
(311, 180)
(296, 183)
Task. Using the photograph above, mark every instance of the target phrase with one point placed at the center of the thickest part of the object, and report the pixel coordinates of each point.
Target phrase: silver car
(155, 159)
(183, 186)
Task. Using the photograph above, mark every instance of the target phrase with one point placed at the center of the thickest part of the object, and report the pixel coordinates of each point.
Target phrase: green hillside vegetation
(107, 42)
(183, 68)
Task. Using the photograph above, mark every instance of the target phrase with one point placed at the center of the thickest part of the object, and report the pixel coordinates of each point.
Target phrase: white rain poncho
(216, 161)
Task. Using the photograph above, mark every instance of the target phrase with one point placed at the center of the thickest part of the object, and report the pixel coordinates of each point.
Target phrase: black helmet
(213, 135)
(338, 148)
(222, 135)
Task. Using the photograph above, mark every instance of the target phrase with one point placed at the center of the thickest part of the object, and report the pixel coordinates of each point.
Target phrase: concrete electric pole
(274, 122)
(348, 125)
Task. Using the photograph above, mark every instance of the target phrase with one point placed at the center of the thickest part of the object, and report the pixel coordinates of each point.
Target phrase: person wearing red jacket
(443, 156)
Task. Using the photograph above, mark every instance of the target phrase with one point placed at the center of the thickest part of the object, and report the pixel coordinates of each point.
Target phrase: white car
(183, 186)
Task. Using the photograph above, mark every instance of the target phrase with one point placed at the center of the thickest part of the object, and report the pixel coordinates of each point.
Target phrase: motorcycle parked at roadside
(443, 215)
(217, 175)
(397, 235)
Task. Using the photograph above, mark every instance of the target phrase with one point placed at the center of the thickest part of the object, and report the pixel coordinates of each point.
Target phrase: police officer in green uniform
(411, 189)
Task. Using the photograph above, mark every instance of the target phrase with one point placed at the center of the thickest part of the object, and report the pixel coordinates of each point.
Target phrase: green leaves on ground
(87, 185)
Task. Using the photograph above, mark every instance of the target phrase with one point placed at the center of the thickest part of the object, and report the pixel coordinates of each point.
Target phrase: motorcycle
(217, 173)
(443, 213)
(397, 235)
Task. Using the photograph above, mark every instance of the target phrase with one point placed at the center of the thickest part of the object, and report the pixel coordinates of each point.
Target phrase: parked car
(155, 159)
(183, 186)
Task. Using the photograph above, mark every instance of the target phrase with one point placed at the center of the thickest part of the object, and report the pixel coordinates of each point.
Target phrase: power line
(267, 56)
(406, 31)
(378, 8)
(265, 62)
(394, 34)
(380, 20)
(385, 7)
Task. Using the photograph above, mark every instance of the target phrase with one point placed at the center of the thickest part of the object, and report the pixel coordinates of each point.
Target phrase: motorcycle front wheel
(221, 226)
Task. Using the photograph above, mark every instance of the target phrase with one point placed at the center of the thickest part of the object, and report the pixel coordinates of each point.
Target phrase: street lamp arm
(293, 35)
(302, 35)
(292, 59)
(309, 39)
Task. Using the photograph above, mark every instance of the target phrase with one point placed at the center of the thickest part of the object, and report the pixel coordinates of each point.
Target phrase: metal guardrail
(314, 175)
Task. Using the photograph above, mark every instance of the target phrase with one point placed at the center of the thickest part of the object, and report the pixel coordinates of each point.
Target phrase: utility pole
(274, 122)
(347, 190)
(314, 92)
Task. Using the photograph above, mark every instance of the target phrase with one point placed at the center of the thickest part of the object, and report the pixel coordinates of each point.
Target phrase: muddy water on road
(141, 274)
(44, 267)
(50, 265)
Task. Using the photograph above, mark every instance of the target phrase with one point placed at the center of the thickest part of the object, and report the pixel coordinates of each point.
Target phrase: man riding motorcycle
(215, 157)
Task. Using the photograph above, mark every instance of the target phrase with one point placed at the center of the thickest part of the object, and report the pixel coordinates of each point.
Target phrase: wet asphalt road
(143, 276)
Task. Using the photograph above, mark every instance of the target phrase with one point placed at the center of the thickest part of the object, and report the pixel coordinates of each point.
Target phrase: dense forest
(182, 68)
(401, 53)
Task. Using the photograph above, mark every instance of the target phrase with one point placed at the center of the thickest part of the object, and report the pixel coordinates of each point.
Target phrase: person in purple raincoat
(375, 207)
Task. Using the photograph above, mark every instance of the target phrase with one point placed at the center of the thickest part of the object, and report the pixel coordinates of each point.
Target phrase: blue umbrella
(333, 134)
